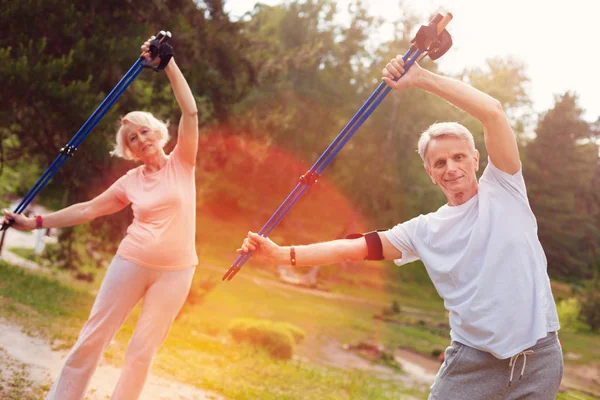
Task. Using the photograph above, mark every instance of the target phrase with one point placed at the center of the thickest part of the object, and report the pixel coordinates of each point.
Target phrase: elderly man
(481, 251)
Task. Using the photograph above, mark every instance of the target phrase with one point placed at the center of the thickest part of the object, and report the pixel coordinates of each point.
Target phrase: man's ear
(430, 174)
(476, 156)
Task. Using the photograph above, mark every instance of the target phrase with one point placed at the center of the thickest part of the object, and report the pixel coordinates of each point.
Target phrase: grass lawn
(199, 352)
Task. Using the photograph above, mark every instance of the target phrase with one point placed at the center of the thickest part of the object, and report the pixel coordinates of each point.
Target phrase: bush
(297, 333)
(590, 308)
(568, 313)
(393, 310)
(396, 307)
(276, 338)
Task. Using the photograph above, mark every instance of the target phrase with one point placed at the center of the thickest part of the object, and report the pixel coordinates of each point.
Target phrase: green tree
(321, 74)
(590, 303)
(309, 84)
(60, 59)
(563, 184)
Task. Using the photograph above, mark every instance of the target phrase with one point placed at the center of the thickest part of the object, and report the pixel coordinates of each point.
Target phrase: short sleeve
(118, 189)
(515, 184)
(176, 156)
(401, 237)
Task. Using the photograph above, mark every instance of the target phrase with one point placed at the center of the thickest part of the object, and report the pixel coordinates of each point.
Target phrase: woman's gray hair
(444, 129)
(143, 119)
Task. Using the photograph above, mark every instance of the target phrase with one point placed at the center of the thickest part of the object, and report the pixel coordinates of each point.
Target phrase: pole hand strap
(6, 225)
(161, 49)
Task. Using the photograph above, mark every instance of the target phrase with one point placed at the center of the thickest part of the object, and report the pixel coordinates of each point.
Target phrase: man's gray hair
(444, 129)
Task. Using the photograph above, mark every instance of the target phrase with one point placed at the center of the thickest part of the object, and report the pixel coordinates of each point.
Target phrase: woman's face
(142, 141)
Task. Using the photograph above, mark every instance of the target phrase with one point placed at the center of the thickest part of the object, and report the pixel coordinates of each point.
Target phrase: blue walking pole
(68, 150)
(432, 40)
(81, 134)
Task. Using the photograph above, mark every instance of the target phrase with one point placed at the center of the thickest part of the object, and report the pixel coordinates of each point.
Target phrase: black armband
(374, 246)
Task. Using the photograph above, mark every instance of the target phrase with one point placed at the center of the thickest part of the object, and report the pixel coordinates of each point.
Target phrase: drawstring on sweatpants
(513, 362)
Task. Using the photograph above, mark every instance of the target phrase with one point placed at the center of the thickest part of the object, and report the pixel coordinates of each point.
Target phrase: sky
(556, 41)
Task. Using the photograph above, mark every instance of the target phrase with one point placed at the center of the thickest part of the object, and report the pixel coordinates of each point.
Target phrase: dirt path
(420, 367)
(583, 377)
(44, 364)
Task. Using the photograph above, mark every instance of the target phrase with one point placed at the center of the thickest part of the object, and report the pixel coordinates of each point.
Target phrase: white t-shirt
(486, 261)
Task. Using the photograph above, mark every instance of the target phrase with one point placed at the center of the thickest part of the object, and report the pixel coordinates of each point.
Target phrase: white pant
(125, 283)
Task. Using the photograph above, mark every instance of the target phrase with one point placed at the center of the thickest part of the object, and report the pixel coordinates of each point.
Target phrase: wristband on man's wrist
(38, 221)
(293, 256)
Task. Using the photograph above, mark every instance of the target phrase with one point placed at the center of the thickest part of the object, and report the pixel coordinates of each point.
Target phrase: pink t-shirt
(162, 234)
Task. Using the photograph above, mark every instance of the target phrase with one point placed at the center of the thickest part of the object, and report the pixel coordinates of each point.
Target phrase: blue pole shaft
(118, 94)
(85, 129)
(384, 92)
(351, 124)
(275, 219)
(323, 161)
(318, 167)
(82, 134)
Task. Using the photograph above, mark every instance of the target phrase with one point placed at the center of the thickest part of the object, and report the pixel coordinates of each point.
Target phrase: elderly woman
(480, 249)
(156, 259)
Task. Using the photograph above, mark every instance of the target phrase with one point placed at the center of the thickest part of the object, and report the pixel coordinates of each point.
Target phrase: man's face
(452, 164)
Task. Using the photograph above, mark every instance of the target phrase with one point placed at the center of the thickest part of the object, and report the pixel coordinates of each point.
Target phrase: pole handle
(433, 38)
(444, 22)
(5, 225)
(159, 48)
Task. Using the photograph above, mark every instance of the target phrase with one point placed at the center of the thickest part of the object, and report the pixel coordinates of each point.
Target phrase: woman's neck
(155, 162)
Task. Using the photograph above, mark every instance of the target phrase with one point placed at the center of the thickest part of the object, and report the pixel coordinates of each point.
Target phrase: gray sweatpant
(468, 373)
(125, 283)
